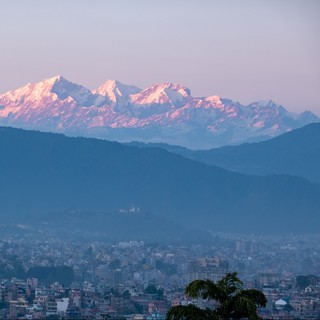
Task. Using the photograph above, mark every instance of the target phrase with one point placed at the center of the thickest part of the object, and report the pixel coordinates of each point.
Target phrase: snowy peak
(166, 93)
(53, 89)
(164, 112)
(81, 95)
(212, 102)
(307, 117)
(267, 104)
(116, 91)
(33, 91)
(53, 80)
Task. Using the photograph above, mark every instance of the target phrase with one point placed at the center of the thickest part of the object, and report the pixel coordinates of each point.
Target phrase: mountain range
(295, 153)
(83, 183)
(165, 113)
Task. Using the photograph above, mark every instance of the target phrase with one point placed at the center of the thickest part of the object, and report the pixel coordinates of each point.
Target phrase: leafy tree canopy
(151, 289)
(305, 281)
(234, 302)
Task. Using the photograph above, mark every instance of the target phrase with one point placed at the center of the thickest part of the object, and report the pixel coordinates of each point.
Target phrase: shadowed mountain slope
(42, 172)
(295, 153)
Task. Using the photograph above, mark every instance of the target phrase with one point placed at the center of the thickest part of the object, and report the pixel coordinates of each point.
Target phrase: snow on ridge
(115, 90)
(59, 104)
(52, 89)
(164, 93)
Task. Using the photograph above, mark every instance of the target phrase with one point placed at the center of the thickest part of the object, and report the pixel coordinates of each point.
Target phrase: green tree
(234, 302)
(304, 281)
(151, 289)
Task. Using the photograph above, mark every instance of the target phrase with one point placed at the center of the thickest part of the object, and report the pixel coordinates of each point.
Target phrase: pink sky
(243, 50)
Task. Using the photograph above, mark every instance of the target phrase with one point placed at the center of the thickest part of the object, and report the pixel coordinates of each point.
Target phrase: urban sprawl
(42, 277)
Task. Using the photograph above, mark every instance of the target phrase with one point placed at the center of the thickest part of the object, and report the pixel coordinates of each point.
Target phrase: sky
(244, 50)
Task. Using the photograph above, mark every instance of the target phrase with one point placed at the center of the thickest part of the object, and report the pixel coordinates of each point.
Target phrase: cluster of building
(136, 280)
(22, 300)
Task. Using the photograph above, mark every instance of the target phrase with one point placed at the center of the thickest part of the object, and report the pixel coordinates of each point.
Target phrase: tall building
(207, 268)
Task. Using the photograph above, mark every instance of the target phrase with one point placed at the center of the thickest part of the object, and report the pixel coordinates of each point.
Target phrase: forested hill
(43, 172)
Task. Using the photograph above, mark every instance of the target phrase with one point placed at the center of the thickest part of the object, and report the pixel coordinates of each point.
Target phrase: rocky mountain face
(160, 113)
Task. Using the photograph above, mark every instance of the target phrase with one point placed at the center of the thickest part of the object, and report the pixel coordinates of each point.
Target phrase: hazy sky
(245, 50)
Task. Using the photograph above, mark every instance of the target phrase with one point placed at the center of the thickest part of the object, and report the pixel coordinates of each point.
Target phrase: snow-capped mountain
(165, 94)
(117, 92)
(160, 113)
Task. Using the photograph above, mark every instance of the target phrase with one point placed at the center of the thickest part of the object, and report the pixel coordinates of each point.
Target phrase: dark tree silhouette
(234, 302)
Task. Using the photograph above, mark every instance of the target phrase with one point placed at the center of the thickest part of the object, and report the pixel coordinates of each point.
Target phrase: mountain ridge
(295, 153)
(165, 113)
(43, 172)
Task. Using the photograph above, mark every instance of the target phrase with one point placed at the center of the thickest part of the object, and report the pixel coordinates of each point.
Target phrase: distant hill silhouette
(295, 153)
(42, 173)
